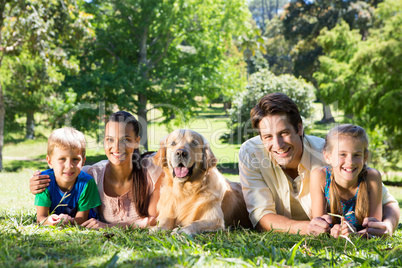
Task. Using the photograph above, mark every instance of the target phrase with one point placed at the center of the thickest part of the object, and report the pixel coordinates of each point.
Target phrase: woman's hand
(94, 224)
(38, 183)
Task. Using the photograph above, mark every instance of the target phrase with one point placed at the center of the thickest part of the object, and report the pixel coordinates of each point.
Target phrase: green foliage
(363, 77)
(36, 38)
(159, 53)
(26, 244)
(261, 83)
(278, 49)
(303, 21)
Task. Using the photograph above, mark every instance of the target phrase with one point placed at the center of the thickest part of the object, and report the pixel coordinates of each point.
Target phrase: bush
(262, 83)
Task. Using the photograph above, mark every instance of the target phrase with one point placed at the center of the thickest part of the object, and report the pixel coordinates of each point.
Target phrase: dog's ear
(160, 156)
(209, 159)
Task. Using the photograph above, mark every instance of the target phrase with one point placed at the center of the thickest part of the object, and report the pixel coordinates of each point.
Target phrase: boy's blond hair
(66, 137)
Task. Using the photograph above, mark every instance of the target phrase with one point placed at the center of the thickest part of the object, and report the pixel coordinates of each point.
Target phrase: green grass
(25, 244)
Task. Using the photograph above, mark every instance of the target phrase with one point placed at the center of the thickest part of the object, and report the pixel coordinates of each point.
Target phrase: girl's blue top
(348, 207)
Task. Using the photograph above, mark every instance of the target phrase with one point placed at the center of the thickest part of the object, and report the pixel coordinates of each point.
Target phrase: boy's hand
(53, 219)
(66, 219)
(38, 183)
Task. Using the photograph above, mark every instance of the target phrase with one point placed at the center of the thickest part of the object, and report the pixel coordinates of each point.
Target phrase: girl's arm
(317, 185)
(374, 184)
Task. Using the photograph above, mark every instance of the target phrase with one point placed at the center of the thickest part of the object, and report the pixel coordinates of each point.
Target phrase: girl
(346, 187)
(128, 183)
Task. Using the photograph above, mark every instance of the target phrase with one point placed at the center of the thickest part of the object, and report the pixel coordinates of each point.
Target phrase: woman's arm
(317, 185)
(153, 202)
(38, 183)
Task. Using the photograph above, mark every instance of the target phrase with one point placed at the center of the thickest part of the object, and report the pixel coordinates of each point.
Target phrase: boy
(72, 194)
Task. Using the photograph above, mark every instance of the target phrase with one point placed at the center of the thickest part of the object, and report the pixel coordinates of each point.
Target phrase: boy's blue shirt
(83, 196)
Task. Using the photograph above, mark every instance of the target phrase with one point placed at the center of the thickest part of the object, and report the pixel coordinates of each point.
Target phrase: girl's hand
(342, 229)
(38, 183)
(374, 227)
(94, 224)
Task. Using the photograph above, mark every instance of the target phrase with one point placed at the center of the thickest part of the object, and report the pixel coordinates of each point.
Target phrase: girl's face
(347, 158)
(120, 142)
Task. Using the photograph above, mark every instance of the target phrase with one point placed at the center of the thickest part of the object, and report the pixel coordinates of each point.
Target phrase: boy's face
(66, 164)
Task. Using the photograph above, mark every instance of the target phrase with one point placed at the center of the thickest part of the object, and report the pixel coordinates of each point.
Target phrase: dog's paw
(154, 229)
(183, 231)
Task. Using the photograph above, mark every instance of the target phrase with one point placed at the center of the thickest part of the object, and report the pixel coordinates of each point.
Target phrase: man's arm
(281, 223)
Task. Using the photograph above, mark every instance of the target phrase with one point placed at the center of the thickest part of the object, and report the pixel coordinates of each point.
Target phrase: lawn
(25, 244)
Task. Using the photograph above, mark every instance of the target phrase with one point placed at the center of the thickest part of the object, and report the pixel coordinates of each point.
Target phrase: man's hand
(374, 227)
(94, 224)
(319, 225)
(38, 183)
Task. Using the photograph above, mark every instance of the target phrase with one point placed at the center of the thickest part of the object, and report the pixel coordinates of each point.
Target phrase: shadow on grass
(393, 183)
(18, 165)
(41, 164)
(230, 167)
(95, 159)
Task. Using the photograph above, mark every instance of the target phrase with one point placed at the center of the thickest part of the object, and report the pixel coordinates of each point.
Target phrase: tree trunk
(30, 125)
(277, 7)
(327, 115)
(142, 117)
(142, 96)
(263, 16)
(2, 115)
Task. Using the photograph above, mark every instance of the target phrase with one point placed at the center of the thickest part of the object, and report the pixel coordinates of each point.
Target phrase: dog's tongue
(181, 172)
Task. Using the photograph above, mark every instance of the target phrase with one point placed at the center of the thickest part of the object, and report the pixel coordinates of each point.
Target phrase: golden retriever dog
(194, 195)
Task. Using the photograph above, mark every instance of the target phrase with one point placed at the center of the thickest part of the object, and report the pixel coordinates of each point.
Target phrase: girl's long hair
(362, 202)
(141, 187)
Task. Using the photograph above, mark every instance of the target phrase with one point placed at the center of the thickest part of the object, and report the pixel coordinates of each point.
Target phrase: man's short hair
(276, 104)
(66, 137)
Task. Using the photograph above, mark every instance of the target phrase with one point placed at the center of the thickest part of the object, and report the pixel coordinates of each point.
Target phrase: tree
(363, 76)
(303, 21)
(158, 52)
(33, 38)
(261, 83)
(265, 10)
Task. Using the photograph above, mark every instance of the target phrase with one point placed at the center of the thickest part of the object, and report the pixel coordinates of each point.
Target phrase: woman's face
(120, 142)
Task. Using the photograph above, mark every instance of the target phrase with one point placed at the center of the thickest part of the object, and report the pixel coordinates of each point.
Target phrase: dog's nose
(181, 153)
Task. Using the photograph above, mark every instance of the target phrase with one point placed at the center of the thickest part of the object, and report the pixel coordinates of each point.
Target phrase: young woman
(128, 183)
(346, 187)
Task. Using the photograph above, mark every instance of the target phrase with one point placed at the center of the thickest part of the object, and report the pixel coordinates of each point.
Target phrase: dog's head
(186, 153)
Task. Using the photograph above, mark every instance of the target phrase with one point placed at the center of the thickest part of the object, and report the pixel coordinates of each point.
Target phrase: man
(275, 173)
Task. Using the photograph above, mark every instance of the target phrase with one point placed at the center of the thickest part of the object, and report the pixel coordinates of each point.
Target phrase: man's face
(281, 140)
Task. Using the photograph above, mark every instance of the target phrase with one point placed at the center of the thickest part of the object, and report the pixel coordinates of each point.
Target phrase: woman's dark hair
(276, 104)
(141, 187)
